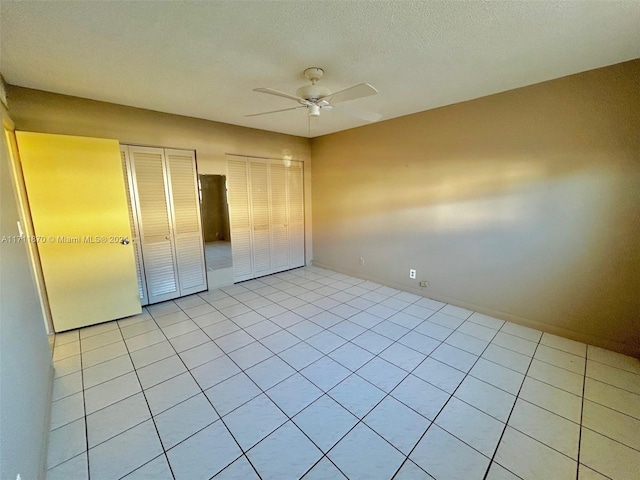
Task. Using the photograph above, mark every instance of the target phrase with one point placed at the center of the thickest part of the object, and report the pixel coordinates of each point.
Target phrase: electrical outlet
(361, 261)
(412, 273)
(424, 284)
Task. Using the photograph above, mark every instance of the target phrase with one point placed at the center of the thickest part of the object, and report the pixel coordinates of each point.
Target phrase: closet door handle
(167, 237)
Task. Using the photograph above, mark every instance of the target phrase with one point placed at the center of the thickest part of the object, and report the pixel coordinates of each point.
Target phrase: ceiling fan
(316, 98)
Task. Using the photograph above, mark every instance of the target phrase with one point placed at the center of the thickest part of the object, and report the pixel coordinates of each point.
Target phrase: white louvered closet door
(239, 218)
(260, 216)
(278, 220)
(156, 233)
(135, 230)
(295, 203)
(187, 229)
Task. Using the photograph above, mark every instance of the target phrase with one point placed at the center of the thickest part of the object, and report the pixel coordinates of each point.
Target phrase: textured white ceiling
(202, 59)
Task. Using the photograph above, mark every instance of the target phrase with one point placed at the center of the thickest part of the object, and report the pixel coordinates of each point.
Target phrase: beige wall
(37, 111)
(524, 205)
(26, 371)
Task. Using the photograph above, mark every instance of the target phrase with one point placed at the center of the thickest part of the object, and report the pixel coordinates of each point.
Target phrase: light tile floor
(218, 255)
(310, 373)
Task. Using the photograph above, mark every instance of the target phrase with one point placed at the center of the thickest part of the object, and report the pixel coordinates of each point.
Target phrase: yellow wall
(524, 205)
(38, 111)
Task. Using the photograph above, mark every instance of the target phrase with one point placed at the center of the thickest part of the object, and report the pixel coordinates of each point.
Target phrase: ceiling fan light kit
(316, 98)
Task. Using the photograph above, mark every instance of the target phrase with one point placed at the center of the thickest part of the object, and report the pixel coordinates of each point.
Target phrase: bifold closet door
(295, 216)
(188, 241)
(239, 218)
(151, 195)
(261, 234)
(278, 218)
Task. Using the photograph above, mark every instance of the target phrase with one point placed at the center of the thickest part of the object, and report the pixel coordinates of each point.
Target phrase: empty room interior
(320, 239)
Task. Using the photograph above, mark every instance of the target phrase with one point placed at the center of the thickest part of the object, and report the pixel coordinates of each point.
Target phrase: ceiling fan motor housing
(313, 92)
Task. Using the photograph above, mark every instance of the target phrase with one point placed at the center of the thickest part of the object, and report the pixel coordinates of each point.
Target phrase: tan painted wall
(38, 111)
(524, 205)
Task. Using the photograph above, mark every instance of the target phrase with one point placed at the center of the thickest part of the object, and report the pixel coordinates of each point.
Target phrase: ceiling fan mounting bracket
(314, 74)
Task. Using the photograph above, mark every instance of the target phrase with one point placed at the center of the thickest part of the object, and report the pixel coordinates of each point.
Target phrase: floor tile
(459, 312)
(167, 394)
(445, 320)
(347, 330)
(430, 303)
(556, 376)
(105, 371)
(324, 470)
(149, 355)
(561, 359)
(67, 365)
(102, 354)
(467, 343)
(87, 332)
(408, 320)
(189, 340)
(67, 337)
(220, 329)
(351, 356)
(305, 329)
(67, 410)
(555, 400)
(614, 376)
(421, 396)
(382, 374)
(454, 357)
(247, 319)
(287, 319)
(530, 459)
(211, 373)
(521, 331)
(326, 341)
(564, 344)
(610, 423)
(498, 472)
(397, 423)
(171, 319)
(325, 422)
(372, 342)
(325, 373)
(76, 468)
(234, 310)
(366, 319)
(390, 330)
(344, 311)
(234, 341)
(160, 371)
(115, 457)
(189, 302)
(157, 469)
(185, 419)
(437, 373)
(435, 451)
(142, 341)
(270, 311)
(472, 426)
(403, 357)
(198, 310)
(241, 469)
(250, 355)
(262, 329)
(478, 331)
(326, 319)
(201, 354)
(507, 358)
(486, 321)
(307, 310)
(204, 454)
(357, 395)
(300, 355)
(612, 397)
(209, 319)
(546, 427)
(515, 343)
(116, 418)
(362, 454)
(381, 311)
(164, 308)
(433, 330)
(111, 392)
(613, 359)
(497, 375)
(139, 328)
(294, 394)
(101, 340)
(419, 342)
(267, 456)
(67, 385)
(280, 341)
(410, 471)
(620, 461)
(254, 420)
(231, 393)
(585, 473)
(66, 442)
(270, 372)
(491, 400)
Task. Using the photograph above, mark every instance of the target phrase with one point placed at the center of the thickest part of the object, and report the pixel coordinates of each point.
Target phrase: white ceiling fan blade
(351, 93)
(278, 93)
(355, 113)
(275, 111)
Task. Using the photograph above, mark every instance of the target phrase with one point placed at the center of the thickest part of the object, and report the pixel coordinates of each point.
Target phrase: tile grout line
(584, 384)
(506, 423)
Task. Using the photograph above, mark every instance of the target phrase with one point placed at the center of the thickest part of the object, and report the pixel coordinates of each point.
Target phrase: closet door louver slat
(186, 218)
(259, 181)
